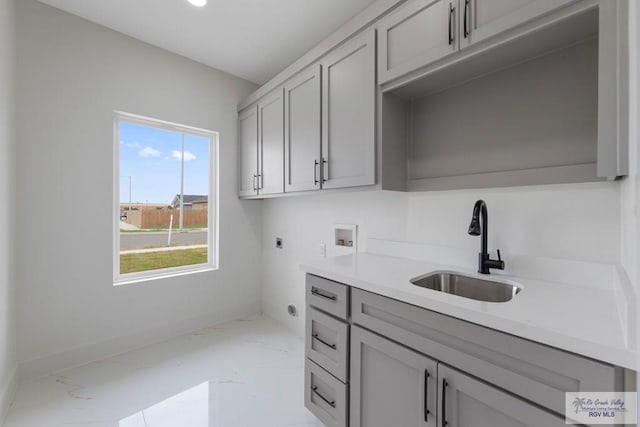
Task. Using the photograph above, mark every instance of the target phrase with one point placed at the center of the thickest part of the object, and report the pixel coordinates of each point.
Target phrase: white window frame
(213, 198)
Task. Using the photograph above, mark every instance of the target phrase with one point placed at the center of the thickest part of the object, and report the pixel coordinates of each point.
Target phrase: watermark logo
(601, 408)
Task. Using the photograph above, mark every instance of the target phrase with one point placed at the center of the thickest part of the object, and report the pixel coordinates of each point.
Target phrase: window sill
(163, 275)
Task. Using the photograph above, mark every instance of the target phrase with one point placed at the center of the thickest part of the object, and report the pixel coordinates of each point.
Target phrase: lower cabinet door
(390, 384)
(466, 402)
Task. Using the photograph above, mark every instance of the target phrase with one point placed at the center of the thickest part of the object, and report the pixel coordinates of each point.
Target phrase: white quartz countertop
(586, 320)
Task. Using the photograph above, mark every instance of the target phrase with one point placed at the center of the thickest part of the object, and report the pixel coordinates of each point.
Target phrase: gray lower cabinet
(468, 402)
(535, 372)
(390, 384)
(384, 363)
(327, 350)
(395, 386)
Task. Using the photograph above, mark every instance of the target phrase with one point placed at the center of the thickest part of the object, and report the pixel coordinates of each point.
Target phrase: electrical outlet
(292, 310)
(322, 250)
(279, 242)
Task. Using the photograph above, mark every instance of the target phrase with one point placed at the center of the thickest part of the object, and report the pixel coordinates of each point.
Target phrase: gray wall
(7, 195)
(72, 75)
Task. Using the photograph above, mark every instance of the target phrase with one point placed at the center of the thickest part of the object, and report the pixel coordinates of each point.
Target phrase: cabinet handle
(324, 167)
(317, 293)
(444, 402)
(331, 403)
(332, 346)
(466, 18)
(315, 172)
(426, 395)
(255, 188)
(260, 184)
(451, 13)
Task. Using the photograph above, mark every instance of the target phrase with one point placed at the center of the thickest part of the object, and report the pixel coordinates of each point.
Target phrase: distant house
(200, 204)
(191, 201)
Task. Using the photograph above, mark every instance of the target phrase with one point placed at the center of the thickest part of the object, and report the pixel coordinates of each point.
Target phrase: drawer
(327, 295)
(537, 372)
(327, 342)
(325, 396)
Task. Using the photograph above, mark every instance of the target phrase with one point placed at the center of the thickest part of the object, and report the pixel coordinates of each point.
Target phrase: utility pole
(128, 176)
(182, 186)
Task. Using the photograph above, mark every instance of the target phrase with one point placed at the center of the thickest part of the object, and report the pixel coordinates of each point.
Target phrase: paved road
(152, 239)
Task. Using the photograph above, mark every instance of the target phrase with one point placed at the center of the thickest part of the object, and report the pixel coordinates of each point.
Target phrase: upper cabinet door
(417, 34)
(248, 152)
(348, 114)
(390, 384)
(481, 19)
(271, 143)
(302, 131)
(467, 402)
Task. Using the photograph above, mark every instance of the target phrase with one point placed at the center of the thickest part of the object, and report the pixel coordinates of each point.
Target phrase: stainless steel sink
(468, 287)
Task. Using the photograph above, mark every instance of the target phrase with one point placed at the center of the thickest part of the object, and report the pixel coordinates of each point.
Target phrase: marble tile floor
(246, 373)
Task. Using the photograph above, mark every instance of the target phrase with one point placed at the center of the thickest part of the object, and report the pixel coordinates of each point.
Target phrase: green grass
(131, 263)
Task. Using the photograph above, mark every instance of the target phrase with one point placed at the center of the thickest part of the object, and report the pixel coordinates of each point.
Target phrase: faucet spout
(479, 227)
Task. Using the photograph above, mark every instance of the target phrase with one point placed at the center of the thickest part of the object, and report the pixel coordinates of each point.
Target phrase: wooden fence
(160, 219)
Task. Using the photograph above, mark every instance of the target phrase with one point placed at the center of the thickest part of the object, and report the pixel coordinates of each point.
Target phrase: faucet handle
(499, 264)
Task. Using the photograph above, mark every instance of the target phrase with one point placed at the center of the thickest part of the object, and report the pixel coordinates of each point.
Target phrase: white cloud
(188, 155)
(149, 152)
(134, 144)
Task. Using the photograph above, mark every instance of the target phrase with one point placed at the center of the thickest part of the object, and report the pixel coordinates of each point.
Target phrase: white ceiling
(252, 39)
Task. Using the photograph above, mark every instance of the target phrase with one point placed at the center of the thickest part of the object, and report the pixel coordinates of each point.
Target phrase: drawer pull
(331, 403)
(332, 346)
(316, 292)
(426, 396)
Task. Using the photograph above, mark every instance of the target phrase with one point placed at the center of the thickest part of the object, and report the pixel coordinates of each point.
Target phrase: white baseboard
(7, 392)
(103, 349)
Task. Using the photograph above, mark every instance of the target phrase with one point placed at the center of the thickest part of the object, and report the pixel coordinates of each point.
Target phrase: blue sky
(152, 158)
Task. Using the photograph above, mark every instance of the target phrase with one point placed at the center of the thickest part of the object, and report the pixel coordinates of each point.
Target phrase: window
(166, 199)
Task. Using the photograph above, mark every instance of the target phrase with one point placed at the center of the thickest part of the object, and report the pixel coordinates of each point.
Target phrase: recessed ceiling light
(198, 3)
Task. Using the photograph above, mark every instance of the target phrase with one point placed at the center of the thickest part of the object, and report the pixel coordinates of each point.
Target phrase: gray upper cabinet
(302, 131)
(348, 114)
(468, 402)
(481, 19)
(390, 385)
(416, 35)
(248, 152)
(271, 144)
(424, 31)
(448, 94)
(613, 89)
